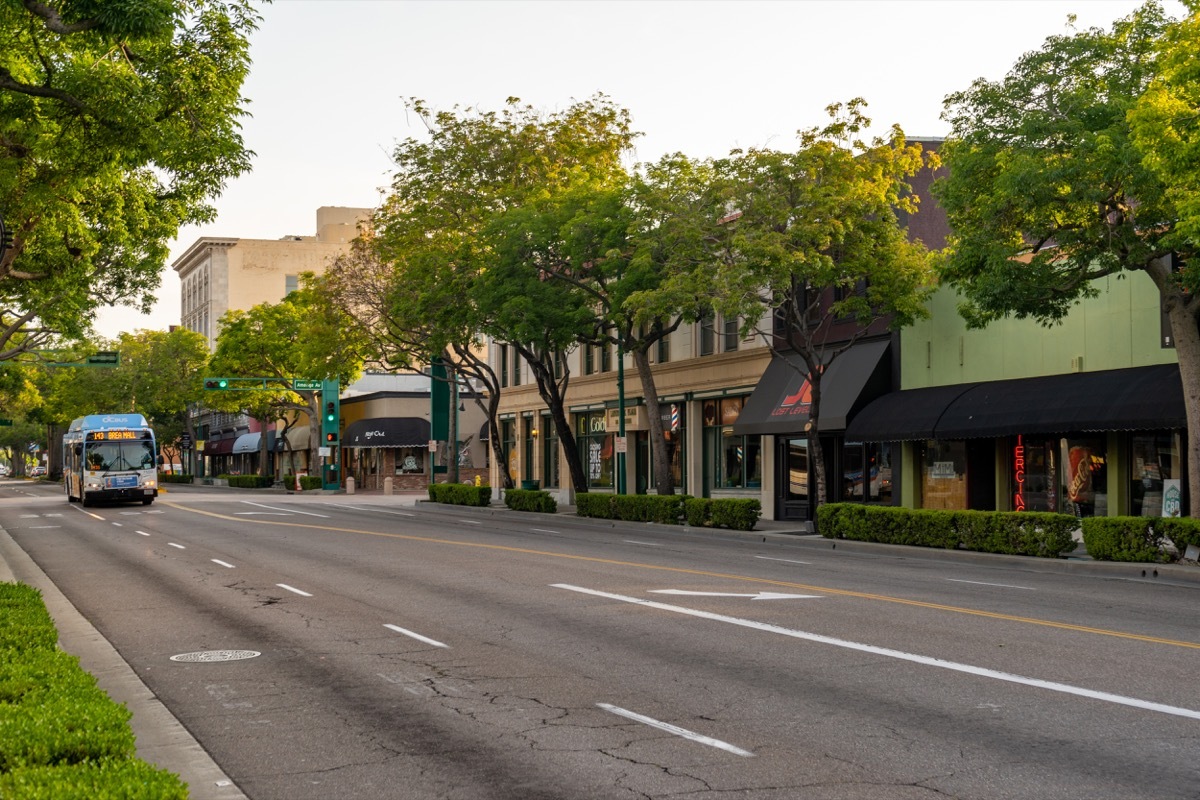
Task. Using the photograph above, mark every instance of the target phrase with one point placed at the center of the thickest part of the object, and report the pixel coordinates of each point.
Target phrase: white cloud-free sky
(329, 80)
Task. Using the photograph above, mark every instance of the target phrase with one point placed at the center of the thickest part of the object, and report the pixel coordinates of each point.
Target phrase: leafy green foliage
(1017, 533)
(530, 500)
(119, 121)
(1045, 189)
(61, 737)
(460, 494)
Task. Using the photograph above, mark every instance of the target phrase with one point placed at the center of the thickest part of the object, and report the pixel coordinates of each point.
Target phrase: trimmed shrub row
(1156, 539)
(249, 481)
(1026, 533)
(61, 736)
(460, 494)
(738, 514)
(307, 482)
(530, 500)
(174, 477)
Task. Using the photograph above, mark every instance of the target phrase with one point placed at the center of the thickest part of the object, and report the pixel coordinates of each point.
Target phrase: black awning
(1139, 398)
(905, 415)
(387, 432)
(780, 403)
(484, 434)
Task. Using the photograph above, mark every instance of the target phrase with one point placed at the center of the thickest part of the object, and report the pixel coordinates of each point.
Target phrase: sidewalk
(162, 740)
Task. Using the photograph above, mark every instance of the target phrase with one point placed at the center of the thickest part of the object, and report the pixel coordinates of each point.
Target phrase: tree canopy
(813, 247)
(119, 122)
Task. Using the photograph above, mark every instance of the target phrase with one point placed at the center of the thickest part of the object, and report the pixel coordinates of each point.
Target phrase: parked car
(37, 471)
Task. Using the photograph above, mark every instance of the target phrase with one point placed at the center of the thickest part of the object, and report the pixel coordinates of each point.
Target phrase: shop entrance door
(792, 500)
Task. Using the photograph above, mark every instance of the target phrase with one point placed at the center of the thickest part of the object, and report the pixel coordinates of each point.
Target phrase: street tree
(1058, 175)
(299, 337)
(119, 122)
(449, 187)
(811, 257)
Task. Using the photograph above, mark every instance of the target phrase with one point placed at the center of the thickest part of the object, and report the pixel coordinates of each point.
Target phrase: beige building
(704, 375)
(218, 274)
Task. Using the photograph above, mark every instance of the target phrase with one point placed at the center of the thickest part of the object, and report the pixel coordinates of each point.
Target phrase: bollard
(387, 485)
(349, 485)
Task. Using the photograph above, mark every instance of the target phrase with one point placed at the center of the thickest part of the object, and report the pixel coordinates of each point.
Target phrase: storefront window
(550, 462)
(1033, 477)
(410, 460)
(1155, 475)
(596, 449)
(527, 455)
(867, 472)
(508, 443)
(1085, 477)
(735, 461)
(797, 470)
(944, 475)
(673, 423)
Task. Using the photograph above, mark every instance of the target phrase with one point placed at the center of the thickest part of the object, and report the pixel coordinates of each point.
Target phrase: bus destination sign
(111, 435)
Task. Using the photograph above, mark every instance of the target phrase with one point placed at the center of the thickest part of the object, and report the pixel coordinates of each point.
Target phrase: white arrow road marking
(416, 636)
(756, 596)
(669, 728)
(928, 661)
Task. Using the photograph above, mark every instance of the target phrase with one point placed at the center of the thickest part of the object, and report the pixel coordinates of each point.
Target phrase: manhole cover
(216, 655)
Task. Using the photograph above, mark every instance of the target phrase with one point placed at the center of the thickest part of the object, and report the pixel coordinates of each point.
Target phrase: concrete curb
(161, 738)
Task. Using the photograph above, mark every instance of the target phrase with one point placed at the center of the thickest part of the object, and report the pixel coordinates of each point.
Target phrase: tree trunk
(663, 482)
(555, 399)
(1184, 328)
(816, 452)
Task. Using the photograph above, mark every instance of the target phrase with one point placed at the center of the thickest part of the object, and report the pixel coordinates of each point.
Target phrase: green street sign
(106, 358)
(302, 383)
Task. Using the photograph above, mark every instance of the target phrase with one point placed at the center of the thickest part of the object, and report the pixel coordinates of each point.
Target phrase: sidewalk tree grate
(215, 655)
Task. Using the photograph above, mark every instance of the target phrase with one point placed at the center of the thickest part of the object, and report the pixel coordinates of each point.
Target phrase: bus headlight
(94, 485)
(149, 483)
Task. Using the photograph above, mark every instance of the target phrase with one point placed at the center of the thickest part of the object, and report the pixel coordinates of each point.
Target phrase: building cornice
(186, 261)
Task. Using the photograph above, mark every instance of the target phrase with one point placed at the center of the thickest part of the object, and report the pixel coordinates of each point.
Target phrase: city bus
(108, 457)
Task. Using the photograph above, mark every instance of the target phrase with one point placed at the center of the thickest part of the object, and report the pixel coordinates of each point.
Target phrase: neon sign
(1019, 474)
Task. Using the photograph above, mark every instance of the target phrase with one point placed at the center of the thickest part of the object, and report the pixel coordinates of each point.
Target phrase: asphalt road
(416, 651)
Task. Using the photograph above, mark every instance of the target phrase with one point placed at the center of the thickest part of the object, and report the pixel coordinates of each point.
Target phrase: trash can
(529, 486)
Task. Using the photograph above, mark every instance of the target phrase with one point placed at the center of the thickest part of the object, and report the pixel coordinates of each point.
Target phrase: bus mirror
(161, 460)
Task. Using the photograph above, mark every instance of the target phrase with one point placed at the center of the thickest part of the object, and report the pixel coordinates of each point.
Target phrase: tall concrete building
(219, 274)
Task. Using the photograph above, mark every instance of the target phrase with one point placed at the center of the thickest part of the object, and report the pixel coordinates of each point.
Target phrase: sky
(327, 87)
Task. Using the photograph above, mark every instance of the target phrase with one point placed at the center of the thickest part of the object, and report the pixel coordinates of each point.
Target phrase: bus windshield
(112, 456)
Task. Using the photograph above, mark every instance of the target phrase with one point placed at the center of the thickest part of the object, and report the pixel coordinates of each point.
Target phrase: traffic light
(331, 412)
(216, 383)
(331, 438)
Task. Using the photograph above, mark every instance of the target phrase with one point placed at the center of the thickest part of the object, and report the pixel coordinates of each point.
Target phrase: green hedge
(174, 477)
(460, 494)
(307, 482)
(735, 513)
(1139, 538)
(530, 500)
(61, 736)
(249, 481)
(1017, 533)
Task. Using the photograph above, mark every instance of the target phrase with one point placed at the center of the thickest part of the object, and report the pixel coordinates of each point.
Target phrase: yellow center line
(724, 575)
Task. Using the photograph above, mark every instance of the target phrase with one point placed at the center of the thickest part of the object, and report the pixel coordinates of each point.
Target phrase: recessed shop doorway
(792, 499)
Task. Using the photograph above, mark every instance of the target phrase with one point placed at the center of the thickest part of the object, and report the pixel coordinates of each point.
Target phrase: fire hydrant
(478, 480)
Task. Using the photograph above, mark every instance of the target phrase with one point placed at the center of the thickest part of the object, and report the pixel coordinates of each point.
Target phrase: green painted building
(1085, 417)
